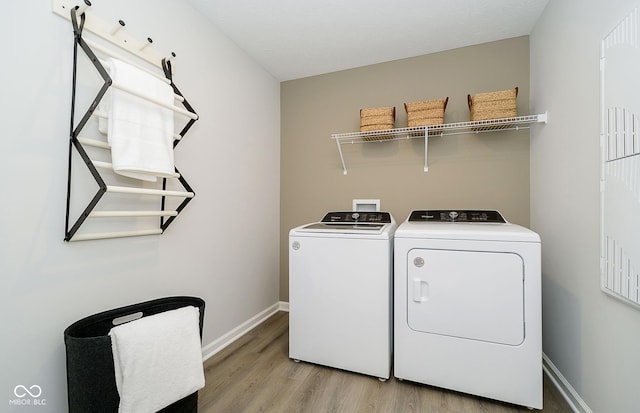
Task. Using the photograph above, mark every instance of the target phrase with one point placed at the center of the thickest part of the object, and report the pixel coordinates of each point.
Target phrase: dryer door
(474, 295)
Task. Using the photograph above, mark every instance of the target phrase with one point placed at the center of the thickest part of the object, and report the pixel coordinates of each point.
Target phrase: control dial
(453, 215)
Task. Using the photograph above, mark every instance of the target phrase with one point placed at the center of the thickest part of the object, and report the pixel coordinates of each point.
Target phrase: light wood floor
(255, 374)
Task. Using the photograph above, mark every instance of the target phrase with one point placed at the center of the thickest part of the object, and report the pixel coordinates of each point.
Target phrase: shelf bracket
(426, 148)
(344, 166)
(542, 118)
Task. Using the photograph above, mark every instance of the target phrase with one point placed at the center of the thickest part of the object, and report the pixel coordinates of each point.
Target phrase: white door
(466, 294)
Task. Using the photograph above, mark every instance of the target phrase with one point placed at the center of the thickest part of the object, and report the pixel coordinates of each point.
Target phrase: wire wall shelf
(424, 132)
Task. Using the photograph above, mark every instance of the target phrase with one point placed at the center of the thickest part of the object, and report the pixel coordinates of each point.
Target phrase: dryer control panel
(441, 215)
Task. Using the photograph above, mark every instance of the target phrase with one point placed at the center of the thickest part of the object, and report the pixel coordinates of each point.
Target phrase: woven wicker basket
(426, 112)
(493, 105)
(377, 120)
(372, 119)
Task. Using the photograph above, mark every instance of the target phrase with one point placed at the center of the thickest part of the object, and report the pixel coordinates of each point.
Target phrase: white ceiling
(298, 38)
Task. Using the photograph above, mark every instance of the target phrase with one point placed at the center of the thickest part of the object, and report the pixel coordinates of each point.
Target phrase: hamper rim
(88, 320)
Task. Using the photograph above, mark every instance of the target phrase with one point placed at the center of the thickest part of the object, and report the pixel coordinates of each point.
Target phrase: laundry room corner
(473, 171)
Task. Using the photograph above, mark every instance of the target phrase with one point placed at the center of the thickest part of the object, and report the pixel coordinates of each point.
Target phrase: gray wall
(232, 164)
(466, 171)
(591, 338)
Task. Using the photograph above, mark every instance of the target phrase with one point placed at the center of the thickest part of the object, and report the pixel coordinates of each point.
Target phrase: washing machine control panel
(456, 216)
(358, 217)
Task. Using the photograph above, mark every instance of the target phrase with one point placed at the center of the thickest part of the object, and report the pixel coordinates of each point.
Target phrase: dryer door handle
(420, 290)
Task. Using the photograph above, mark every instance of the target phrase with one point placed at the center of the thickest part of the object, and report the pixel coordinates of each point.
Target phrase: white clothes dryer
(340, 292)
(468, 305)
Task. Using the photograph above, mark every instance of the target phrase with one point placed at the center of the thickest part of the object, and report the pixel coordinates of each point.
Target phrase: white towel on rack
(157, 359)
(140, 132)
(103, 106)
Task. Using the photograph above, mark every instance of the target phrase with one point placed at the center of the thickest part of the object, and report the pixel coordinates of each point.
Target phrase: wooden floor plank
(255, 374)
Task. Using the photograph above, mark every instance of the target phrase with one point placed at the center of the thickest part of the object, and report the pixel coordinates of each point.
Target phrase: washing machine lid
(350, 222)
(482, 225)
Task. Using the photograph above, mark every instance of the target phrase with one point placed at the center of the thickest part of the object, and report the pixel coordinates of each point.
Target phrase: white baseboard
(564, 387)
(217, 345)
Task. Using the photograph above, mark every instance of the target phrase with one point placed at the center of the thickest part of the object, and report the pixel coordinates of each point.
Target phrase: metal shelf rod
(110, 214)
(164, 79)
(145, 191)
(120, 234)
(109, 165)
(174, 108)
(94, 142)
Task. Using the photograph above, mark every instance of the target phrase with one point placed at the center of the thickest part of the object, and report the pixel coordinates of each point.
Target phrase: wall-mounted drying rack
(80, 20)
(424, 132)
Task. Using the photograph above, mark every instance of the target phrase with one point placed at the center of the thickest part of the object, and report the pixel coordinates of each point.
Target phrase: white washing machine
(468, 305)
(340, 292)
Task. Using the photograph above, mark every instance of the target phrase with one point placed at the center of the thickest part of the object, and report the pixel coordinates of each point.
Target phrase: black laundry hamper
(91, 384)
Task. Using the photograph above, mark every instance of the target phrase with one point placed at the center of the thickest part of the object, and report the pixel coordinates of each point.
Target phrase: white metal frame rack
(620, 162)
(423, 132)
(78, 18)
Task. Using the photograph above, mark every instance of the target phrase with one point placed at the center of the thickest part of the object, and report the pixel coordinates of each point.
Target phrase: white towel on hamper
(140, 132)
(157, 360)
